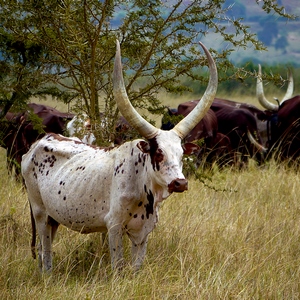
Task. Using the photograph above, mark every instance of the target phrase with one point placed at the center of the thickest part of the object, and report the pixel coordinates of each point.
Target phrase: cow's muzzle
(178, 185)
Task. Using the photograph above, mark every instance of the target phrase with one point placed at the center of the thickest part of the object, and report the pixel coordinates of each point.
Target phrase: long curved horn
(290, 88)
(196, 115)
(260, 93)
(146, 129)
(257, 145)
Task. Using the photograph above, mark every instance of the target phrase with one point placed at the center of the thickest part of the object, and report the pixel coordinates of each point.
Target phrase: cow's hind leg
(46, 228)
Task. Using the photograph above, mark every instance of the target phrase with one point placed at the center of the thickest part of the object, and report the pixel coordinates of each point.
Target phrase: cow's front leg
(138, 252)
(115, 234)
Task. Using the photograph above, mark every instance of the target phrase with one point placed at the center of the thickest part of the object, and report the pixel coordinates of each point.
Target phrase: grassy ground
(241, 242)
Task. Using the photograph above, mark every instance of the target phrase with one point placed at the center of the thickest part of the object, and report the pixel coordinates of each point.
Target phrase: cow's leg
(46, 233)
(115, 234)
(138, 252)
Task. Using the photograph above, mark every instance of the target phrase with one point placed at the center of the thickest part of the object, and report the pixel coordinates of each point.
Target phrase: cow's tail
(33, 238)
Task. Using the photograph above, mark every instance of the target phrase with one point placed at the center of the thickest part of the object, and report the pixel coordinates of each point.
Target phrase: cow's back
(59, 177)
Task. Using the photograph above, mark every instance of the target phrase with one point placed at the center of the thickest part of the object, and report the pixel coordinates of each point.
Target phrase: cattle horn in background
(261, 96)
(290, 89)
(257, 145)
(145, 128)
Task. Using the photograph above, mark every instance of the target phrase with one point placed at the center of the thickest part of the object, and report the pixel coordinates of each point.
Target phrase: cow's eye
(159, 156)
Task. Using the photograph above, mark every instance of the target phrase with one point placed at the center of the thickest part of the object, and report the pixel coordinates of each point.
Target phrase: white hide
(89, 189)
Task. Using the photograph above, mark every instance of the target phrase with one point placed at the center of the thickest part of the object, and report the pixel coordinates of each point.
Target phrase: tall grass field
(236, 237)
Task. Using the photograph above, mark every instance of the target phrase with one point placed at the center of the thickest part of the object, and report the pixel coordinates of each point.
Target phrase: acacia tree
(158, 40)
(22, 73)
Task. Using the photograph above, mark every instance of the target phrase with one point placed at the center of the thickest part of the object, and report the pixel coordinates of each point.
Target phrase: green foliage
(66, 49)
(270, 6)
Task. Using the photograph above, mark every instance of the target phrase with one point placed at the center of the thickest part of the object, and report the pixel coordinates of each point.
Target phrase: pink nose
(178, 185)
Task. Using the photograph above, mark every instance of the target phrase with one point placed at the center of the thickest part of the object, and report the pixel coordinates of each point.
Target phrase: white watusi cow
(117, 190)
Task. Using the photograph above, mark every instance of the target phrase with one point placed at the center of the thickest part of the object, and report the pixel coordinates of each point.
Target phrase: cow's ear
(144, 146)
(190, 148)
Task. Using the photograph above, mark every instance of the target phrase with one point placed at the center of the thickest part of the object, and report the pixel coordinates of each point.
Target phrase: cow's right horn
(146, 129)
(196, 115)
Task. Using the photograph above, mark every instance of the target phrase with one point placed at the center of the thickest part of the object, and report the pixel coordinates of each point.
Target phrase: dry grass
(242, 243)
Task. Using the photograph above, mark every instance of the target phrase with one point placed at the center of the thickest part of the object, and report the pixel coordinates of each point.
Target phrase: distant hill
(281, 36)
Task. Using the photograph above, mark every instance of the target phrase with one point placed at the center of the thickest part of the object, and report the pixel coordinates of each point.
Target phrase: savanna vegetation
(232, 235)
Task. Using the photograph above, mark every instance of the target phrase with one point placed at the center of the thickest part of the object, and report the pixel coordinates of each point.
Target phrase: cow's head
(164, 147)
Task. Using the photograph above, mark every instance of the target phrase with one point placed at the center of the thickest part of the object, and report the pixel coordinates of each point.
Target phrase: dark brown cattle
(287, 129)
(19, 133)
(284, 127)
(283, 124)
(206, 129)
(215, 146)
(239, 124)
(9, 128)
(261, 116)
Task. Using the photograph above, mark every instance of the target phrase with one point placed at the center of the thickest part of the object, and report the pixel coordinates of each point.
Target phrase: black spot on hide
(156, 154)
(150, 205)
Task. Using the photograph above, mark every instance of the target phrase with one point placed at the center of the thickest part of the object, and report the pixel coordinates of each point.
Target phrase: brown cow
(19, 132)
(230, 129)
(284, 122)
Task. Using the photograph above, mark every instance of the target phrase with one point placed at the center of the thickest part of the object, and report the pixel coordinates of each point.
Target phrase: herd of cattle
(230, 133)
(62, 175)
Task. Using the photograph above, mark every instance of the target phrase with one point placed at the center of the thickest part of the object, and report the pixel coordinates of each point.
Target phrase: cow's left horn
(261, 96)
(146, 129)
(196, 115)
